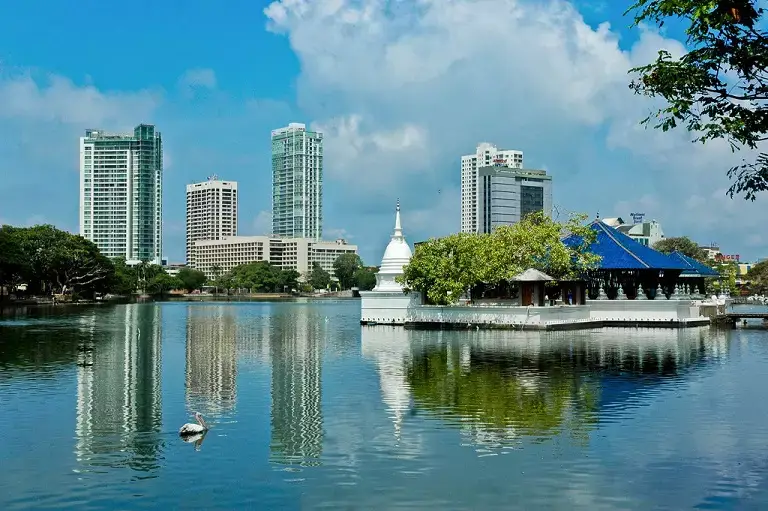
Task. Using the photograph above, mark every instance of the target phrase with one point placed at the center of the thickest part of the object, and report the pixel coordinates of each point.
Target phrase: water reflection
(499, 388)
(119, 412)
(297, 416)
(211, 359)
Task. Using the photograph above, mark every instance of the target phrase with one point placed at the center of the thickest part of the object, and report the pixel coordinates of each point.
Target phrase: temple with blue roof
(631, 270)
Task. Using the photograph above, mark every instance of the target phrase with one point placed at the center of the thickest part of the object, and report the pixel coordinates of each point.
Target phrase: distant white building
(211, 212)
(298, 254)
(647, 233)
(485, 155)
(505, 196)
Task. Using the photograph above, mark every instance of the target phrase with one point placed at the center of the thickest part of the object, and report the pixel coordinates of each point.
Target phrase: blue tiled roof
(620, 252)
(695, 268)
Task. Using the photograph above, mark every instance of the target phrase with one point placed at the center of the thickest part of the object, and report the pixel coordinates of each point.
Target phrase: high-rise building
(506, 196)
(486, 154)
(121, 193)
(211, 212)
(297, 182)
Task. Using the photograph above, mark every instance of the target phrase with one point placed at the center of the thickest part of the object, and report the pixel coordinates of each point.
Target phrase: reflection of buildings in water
(211, 359)
(297, 418)
(496, 385)
(253, 334)
(118, 387)
(389, 347)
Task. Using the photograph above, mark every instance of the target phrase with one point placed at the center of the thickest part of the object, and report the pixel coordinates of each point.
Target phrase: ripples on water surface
(310, 410)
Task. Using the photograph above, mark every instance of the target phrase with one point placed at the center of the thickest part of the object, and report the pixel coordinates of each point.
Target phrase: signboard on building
(637, 218)
(727, 257)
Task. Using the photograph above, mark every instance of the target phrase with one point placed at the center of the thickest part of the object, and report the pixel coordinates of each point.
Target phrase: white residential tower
(121, 193)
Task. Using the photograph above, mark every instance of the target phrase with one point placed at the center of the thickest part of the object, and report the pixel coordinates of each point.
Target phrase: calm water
(309, 410)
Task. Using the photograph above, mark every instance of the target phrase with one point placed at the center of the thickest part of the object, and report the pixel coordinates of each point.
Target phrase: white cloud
(530, 76)
(59, 100)
(199, 78)
(333, 233)
(262, 224)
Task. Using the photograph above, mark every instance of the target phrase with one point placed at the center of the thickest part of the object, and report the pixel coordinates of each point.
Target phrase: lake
(309, 410)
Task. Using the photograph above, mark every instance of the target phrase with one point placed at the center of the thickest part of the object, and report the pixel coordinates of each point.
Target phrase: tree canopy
(344, 268)
(718, 89)
(318, 277)
(758, 278)
(445, 268)
(262, 277)
(684, 245)
(191, 280)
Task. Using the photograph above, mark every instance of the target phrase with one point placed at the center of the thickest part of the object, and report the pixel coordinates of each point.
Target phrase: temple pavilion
(631, 270)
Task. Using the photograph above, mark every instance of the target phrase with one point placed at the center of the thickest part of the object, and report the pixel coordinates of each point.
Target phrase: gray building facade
(505, 196)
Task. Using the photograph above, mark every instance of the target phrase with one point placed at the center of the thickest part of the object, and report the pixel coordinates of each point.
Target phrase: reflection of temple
(211, 371)
(118, 388)
(498, 387)
(297, 418)
(390, 349)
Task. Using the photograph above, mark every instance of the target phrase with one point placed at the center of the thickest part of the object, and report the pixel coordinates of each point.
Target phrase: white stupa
(397, 255)
(387, 303)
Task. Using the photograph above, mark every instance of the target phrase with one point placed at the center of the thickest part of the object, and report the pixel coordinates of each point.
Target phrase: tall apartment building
(506, 195)
(121, 193)
(297, 182)
(211, 212)
(298, 254)
(485, 155)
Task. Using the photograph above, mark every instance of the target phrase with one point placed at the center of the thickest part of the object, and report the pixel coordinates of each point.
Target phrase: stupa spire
(398, 227)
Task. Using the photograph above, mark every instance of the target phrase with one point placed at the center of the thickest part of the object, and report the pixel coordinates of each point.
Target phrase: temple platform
(595, 314)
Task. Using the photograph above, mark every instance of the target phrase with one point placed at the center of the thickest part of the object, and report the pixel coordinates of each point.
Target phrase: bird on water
(194, 429)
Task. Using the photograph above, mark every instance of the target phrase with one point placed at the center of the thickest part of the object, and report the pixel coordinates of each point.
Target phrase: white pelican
(193, 429)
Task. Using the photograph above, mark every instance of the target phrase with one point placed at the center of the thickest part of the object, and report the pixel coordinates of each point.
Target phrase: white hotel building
(211, 212)
(298, 254)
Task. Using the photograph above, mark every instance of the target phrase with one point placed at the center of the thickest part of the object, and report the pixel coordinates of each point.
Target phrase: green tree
(684, 245)
(59, 262)
(262, 277)
(728, 271)
(365, 278)
(161, 283)
(758, 278)
(13, 265)
(125, 279)
(216, 273)
(718, 89)
(318, 277)
(191, 280)
(344, 268)
(443, 269)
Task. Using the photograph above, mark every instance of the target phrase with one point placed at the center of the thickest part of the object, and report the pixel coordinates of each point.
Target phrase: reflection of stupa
(389, 348)
(387, 304)
(297, 416)
(119, 410)
(211, 372)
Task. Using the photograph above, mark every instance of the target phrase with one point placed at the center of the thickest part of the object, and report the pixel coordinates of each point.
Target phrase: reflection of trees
(119, 411)
(211, 359)
(530, 384)
(297, 417)
(499, 393)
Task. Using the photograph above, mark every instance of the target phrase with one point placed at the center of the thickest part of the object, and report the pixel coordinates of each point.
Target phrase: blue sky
(400, 89)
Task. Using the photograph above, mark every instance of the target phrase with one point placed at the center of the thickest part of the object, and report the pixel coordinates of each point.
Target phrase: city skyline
(388, 131)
